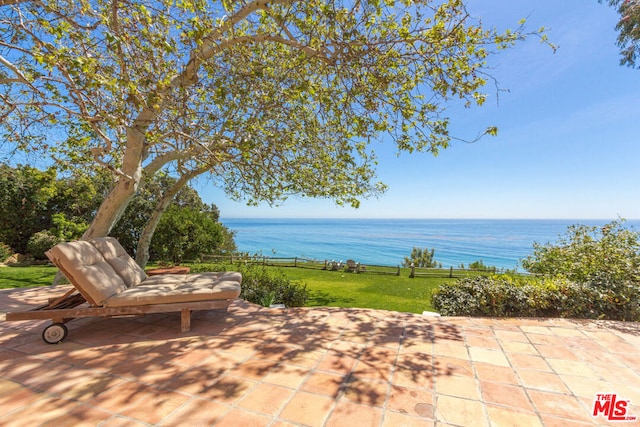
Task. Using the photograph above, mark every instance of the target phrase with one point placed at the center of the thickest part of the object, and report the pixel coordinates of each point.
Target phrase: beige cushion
(209, 276)
(102, 269)
(213, 275)
(87, 269)
(126, 267)
(163, 279)
(178, 288)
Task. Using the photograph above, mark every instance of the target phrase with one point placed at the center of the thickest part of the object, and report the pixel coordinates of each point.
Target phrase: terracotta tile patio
(314, 367)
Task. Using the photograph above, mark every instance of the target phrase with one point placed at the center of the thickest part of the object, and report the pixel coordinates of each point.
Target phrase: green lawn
(326, 288)
(386, 292)
(23, 277)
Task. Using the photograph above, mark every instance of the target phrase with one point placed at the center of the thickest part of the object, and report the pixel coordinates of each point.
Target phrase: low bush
(41, 242)
(264, 286)
(531, 297)
(5, 252)
(481, 296)
(618, 298)
(479, 265)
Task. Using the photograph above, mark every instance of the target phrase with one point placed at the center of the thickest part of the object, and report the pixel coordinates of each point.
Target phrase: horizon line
(435, 218)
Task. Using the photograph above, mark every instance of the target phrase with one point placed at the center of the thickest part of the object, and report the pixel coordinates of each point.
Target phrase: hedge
(531, 297)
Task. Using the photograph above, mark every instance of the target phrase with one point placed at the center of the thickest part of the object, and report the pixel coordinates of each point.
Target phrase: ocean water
(499, 243)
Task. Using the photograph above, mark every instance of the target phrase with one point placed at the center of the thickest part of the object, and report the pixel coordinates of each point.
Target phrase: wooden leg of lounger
(185, 322)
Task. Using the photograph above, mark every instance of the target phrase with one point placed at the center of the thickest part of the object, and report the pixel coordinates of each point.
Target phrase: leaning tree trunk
(142, 250)
(112, 208)
(114, 205)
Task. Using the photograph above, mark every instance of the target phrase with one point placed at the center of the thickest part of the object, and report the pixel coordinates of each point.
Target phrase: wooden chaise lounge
(108, 283)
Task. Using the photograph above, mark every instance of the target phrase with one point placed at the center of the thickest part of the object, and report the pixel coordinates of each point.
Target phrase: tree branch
(210, 46)
(21, 78)
(157, 163)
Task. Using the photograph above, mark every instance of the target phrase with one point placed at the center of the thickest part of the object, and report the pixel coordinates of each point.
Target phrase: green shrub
(264, 286)
(424, 258)
(5, 252)
(618, 298)
(261, 284)
(206, 267)
(67, 229)
(479, 265)
(480, 296)
(597, 270)
(41, 242)
(533, 297)
(588, 251)
(185, 234)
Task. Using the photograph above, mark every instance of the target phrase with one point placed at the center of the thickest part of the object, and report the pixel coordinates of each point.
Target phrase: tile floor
(314, 367)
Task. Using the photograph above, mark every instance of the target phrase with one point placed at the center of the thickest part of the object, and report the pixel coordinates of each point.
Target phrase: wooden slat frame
(62, 315)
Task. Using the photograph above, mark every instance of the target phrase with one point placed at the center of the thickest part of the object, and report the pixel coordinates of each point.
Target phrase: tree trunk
(114, 205)
(142, 250)
(112, 208)
(118, 198)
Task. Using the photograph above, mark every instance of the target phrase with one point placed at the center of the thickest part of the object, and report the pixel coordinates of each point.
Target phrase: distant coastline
(497, 242)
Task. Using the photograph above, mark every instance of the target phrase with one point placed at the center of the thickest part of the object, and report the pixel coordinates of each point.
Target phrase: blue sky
(567, 143)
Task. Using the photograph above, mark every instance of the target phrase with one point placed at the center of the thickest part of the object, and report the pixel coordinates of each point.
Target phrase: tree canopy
(26, 195)
(269, 97)
(40, 209)
(629, 30)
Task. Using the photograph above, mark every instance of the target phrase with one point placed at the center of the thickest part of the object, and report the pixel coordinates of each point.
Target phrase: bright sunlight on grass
(23, 277)
(383, 292)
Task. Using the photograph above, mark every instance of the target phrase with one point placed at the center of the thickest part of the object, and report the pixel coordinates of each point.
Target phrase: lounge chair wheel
(55, 333)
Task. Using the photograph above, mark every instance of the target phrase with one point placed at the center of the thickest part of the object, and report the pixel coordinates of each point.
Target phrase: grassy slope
(326, 288)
